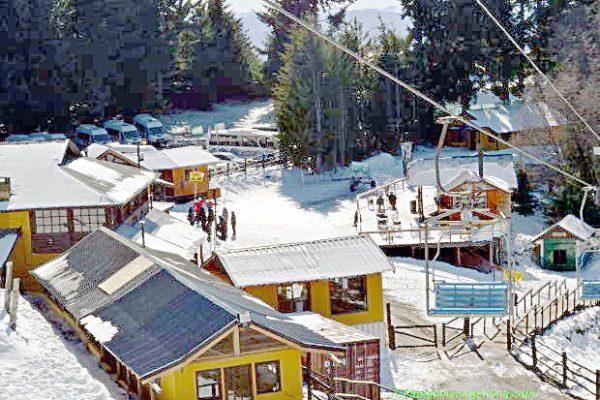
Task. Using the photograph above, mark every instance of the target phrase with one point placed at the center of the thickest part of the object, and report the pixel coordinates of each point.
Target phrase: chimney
(5, 188)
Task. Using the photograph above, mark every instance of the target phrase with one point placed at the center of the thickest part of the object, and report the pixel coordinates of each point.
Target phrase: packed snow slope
(35, 363)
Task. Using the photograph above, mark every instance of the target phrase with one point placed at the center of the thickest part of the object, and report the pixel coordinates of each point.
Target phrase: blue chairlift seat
(463, 299)
(590, 289)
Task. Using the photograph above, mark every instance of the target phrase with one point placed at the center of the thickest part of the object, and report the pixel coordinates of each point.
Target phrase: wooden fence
(550, 364)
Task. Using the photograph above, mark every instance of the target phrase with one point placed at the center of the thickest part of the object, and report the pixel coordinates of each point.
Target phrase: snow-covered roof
(8, 238)
(516, 117)
(303, 262)
(166, 233)
(498, 170)
(571, 224)
(119, 183)
(50, 182)
(179, 157)
(335, 331)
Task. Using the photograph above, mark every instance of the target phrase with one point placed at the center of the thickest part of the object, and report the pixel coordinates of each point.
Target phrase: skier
(392, 199)
(233, 222)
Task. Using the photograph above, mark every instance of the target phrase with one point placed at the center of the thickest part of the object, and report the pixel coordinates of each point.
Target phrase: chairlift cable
(418, 93)
(537, 69)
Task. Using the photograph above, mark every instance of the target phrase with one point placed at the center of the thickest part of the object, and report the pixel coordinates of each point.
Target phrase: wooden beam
(236, 340)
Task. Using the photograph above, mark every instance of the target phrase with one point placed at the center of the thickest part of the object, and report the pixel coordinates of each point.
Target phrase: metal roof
(306, 261)
(8, 238)
(166, 312)
(571, 224)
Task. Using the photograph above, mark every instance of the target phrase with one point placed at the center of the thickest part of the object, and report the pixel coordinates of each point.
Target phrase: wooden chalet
(175, 166)
(168, 330)
(61, 197)
(555, 246)
(339, 278)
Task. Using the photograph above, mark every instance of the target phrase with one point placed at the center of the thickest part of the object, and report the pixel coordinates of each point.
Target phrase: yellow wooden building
(169, 330)
(338, 278)
(61, 197)
(176, 166)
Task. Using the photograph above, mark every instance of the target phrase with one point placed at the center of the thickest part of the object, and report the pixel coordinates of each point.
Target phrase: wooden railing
(536, 296)
(550, 364)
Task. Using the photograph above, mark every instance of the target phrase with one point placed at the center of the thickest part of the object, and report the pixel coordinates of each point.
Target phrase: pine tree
(524, 201)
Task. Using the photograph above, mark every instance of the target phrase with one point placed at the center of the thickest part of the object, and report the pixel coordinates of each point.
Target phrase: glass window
(209, 384)
(88, 219)
(292, 298)
(187, 174)
(348, 295)
(268, 378)
(238, 383)
(51, 221)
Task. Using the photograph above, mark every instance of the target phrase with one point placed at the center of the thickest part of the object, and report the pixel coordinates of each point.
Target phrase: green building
(555, 247)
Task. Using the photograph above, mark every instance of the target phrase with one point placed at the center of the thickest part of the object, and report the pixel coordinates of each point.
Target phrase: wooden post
(527, 323)
(508, 336)
(467, 327)
(435, 336)
(598, 384)
(8, 285)
(535, 313)
(556, 309)
(542, 326)
(391, 332)
(565, 369)
(533, 353)
(14, 303)
(517, 303)
(308, 380)
(443, 334)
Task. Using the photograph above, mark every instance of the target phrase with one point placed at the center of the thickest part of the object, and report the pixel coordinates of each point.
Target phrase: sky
(243, 6)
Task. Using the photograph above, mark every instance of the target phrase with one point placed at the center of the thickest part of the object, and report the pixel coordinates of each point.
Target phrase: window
(238, 383)
(560, 257)
(88, 219)
(268, 377)
(348, 295)
(292, 298)
(51, 221)
(188, 172)
(209, 384)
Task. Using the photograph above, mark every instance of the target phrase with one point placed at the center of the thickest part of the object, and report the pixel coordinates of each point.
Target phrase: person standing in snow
(209, 221)
(392, 199)
(355, 218)
(380, 202)
(190, 216)
(202, 217)
(233, 222)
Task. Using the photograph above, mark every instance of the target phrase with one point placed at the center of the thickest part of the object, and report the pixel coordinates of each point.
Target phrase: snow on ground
(231, 114)
(36, 363)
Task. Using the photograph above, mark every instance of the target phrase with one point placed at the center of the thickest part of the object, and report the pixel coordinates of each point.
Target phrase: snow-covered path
(37, 363)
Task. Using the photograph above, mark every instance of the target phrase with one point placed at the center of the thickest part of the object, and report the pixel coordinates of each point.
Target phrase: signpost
(196, 176)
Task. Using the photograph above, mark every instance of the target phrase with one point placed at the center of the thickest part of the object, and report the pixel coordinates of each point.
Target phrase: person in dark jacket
(233, 223)
(190, 216)
(392, 199)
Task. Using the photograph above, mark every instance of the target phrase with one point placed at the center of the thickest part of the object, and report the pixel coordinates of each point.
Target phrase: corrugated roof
(162, 315)
(498, 170)
(573, 225)
(516, 117)
(332, 330)
(302, 262)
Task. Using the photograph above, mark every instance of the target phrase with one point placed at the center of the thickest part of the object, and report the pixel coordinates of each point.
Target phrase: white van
(87, 134)
(123, 132)
(151, 129)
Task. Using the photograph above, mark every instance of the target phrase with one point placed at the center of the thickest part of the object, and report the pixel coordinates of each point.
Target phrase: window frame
(365, 296)
(219, 385)
(49, 221)
(87, 219)
(278, 374)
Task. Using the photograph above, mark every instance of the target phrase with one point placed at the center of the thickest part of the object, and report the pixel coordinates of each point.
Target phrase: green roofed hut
(555, 246)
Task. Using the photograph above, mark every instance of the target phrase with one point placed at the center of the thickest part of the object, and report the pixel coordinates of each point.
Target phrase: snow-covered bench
(481, 298)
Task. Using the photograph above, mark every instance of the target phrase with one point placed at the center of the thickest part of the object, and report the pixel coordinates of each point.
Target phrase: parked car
(123, 132)
(151, 129)
(87, 134)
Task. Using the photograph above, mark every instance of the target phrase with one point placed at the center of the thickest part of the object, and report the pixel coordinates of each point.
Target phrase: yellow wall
(181, 384)
(22, 257)
(320, 304)
(184, 188)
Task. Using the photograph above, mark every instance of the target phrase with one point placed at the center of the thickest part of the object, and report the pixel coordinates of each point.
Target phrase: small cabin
(339, 278)
(555, 246)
